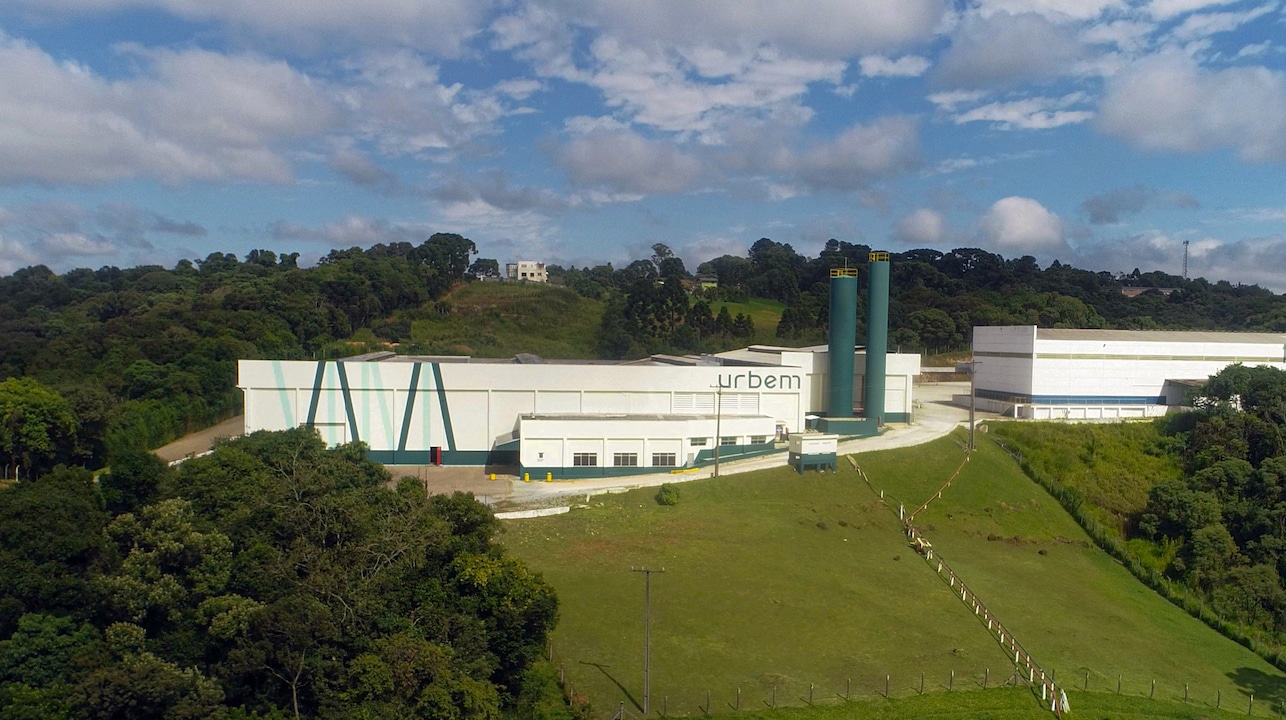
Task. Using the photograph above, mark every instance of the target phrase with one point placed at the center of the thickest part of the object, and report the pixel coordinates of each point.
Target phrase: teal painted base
(814, 462)
(449, 457)
(849, 427)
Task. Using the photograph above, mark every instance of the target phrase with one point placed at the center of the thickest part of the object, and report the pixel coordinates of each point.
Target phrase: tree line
(135, 357)
(98, 362)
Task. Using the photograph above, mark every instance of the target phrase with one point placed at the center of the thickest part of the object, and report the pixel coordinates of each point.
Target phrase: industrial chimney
(877, 337)
(843, 338)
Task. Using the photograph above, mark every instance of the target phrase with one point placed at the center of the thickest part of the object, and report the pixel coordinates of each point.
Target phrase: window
(625, 459)
(727, 441)
(584, 459)
(698, 442)
(758, 439)
(664, 460)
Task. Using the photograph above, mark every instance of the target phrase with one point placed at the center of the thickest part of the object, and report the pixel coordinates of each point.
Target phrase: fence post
(951, 681)
(1185, 692)
(986, 678)
(1250, 707)
(886, 687)
(921, 682)
(1087, 681)
(1152, 693)
(1218, 698)
(738, 707)
(1118, 684)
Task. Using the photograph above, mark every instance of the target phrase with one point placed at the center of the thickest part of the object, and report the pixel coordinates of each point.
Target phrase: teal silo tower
(842, 339)
(877, 336)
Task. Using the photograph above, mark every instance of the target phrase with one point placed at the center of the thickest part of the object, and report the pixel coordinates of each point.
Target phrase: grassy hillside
(1112, 465)
(1075, 608)
(501, 319)
(774, 580)
(766, 314)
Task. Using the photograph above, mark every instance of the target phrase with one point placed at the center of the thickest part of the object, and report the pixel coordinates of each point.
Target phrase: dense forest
(273, 578)
(99, 362)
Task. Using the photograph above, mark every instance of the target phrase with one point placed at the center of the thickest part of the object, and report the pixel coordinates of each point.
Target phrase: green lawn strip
(755, 594)
(1006, 704)
(1074, 608)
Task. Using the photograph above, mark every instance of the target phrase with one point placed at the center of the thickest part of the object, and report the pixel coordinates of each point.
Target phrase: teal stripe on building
(316, 396)
(348, 403)
(410, 408)
(442, 403)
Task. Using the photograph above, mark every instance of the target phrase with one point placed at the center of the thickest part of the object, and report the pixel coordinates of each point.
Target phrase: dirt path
(200, 442)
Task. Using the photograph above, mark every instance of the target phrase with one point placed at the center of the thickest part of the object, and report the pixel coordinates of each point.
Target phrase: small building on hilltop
(1061, 374)
(526, 270)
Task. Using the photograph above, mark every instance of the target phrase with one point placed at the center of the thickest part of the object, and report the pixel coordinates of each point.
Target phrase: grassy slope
(755, 593)
(1112, 465)
(1074, 608)
(495, 319)
(764, 312)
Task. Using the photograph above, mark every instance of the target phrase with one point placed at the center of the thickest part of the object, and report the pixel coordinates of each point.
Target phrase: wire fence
(782, 692)
(1023, 671)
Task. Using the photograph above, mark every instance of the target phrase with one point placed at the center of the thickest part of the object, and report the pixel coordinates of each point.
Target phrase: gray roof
(1192, 336)
(602, 417)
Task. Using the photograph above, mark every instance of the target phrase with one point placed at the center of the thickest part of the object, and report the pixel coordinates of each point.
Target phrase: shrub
(668, 494)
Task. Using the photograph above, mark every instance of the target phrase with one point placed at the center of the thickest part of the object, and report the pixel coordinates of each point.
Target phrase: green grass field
(776, 581)
(497, 319)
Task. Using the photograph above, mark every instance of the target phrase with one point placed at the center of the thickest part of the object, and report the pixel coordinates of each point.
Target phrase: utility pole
(647, 629)
(718, 424)
(973, 400)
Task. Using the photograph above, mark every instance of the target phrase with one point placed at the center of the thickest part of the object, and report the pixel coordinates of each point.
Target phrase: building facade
(565, 418)
(1049, 374)
(526, 270)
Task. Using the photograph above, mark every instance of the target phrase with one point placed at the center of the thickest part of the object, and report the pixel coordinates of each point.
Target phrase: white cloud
(1167, 9)
(1130, 36)
(350, 231)
(1029, 114)
(626, 162)
(905, 66)
(858, 156)
(440, 26)
(1058, 10)
(1169, 103)
(398, 101)
(823, 28)
(1019, 224)
(922, 228)
(77, 244)
(952, 99)
(1004, 50)
(15, 256)
(1195, 27)
(192, 115)
(654, 87)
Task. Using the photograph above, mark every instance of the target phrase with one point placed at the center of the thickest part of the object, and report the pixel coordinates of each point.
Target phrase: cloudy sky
(1104, 133)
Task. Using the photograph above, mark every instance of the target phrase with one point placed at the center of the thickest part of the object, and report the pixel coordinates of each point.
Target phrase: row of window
(628, 459)
(754, 440)
(587, 459)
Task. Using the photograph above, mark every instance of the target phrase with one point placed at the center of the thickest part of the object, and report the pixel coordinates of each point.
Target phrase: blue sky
(1104, 133)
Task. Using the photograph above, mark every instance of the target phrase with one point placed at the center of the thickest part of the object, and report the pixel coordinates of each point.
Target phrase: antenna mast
(1185, 259)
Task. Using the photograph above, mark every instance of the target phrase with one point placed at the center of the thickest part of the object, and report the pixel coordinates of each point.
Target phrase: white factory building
(566, 418)
(1054, 374)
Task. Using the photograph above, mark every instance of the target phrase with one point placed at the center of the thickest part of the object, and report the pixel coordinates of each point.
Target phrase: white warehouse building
(1050, 374)
(566, 418)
